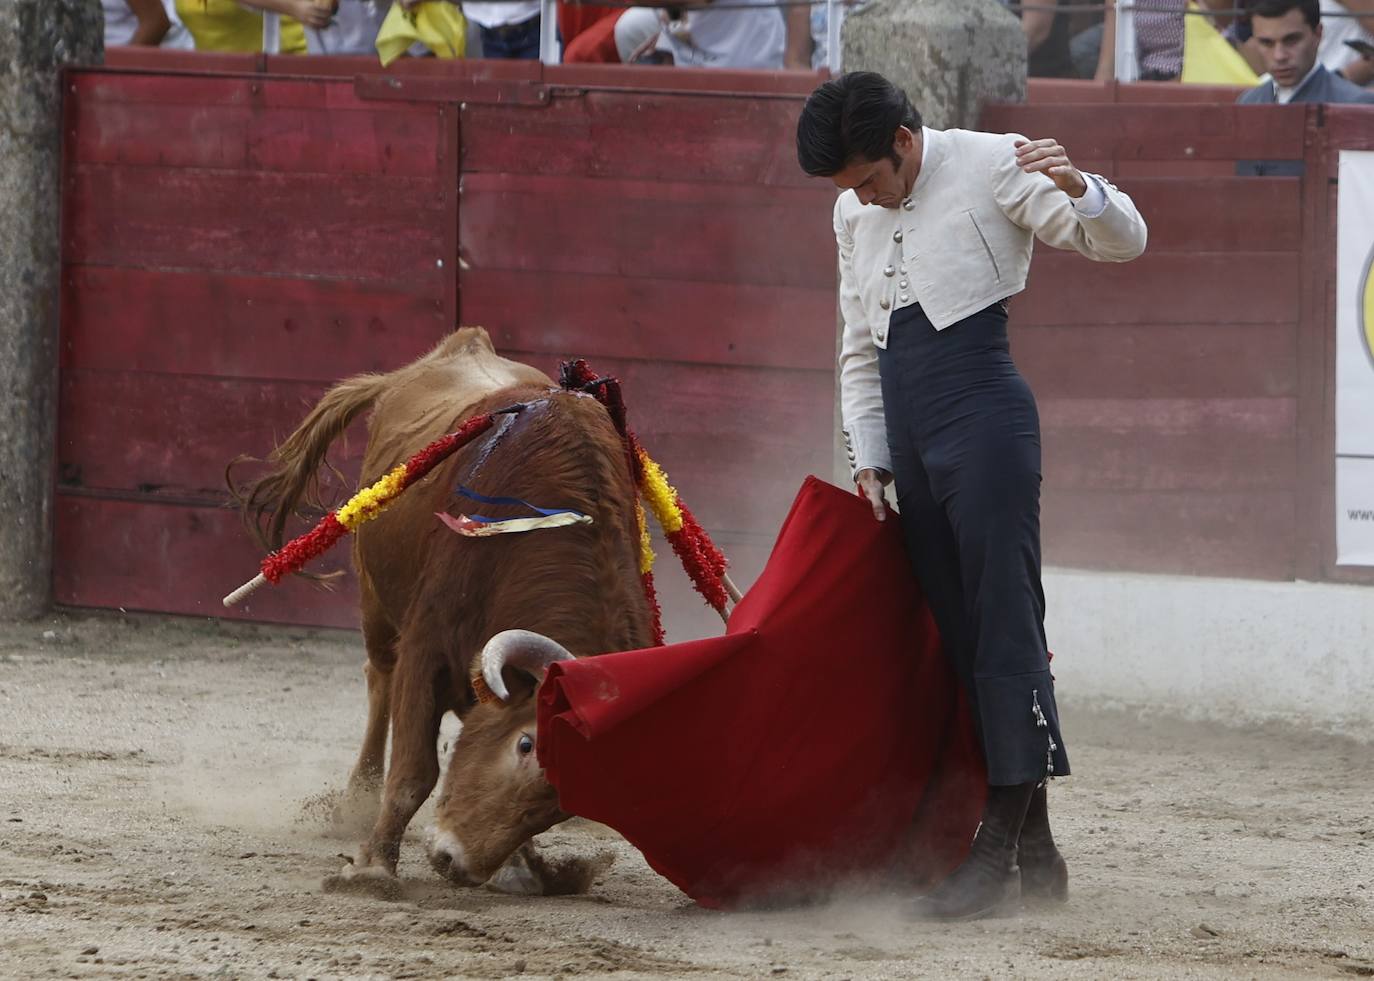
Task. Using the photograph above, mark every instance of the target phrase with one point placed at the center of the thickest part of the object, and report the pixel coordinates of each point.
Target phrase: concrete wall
(1218, 649)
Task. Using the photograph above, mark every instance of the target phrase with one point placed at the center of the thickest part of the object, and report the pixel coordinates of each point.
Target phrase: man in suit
(1287, 34)
(935, 230)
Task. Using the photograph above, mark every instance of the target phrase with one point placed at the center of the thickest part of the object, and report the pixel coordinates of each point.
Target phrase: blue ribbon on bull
(478, 526)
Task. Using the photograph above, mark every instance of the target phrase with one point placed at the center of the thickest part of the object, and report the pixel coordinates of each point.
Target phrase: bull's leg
(416, 712)
(357, 810)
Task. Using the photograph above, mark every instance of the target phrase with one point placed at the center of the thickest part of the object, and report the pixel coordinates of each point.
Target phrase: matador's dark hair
(851, 118)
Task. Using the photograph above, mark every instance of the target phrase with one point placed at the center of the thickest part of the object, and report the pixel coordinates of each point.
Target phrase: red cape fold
(822, 742)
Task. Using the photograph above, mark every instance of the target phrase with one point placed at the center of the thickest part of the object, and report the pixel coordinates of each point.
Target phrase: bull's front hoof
(364, 880)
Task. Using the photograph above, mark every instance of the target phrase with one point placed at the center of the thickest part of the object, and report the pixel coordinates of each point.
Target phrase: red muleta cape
(822, 741)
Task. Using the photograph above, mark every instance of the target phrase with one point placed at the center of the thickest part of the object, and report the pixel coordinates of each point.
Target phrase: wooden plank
(386, 90)
(1060, 91)
(654, 319)
(1245, 534)
(166, 558)
(1129, 170)
(148, 132)
(177, 559)
(1211, 444)
(639, 136)
(140, 59)
(1162, 361)
(106, 89)
(117, 319)
(1174, 93)
(743, 438)
(461, 73)
(1347, 127)
(173, 435)
(1220, 214)
(792, 86)
(680, 231)
(1162, 132)
(450, 174)
(352, 67)
(256, 222)
(1317, 367)
(1161, 288)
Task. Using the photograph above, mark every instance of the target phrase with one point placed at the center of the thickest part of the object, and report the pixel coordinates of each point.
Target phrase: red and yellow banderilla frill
(703, 562)
(362, 506)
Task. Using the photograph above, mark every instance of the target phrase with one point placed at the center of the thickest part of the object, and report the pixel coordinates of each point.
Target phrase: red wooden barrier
(1186, 397)
(238, 234)
(236, 241)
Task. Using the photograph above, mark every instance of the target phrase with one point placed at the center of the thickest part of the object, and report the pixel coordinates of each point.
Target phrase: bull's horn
(523, 649)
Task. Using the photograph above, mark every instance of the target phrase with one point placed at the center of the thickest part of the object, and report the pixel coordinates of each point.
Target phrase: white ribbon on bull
(477, 526)
(523, 649)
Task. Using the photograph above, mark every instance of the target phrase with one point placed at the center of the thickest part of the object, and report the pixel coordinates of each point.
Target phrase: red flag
(822, 740)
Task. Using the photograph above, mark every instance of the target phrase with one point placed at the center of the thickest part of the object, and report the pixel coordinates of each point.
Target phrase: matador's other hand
(871, 482)
(1049, 158)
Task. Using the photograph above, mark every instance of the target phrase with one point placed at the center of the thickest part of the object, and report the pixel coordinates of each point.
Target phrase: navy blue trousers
(964, 433)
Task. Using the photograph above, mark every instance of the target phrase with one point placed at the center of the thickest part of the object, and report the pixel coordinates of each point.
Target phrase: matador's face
(885, 182)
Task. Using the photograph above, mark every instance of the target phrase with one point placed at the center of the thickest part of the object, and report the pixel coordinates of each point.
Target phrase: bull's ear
(520, 685)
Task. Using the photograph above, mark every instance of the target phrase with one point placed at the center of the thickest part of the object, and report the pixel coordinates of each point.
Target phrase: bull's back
(430, 396)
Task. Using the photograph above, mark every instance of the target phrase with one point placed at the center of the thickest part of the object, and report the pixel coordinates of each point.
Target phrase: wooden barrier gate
(234, 242)
(237, 236)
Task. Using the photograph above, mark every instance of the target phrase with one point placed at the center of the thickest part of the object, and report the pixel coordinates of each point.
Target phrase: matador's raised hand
(1052, 160)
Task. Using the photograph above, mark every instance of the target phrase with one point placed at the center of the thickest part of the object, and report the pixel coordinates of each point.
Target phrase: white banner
(1355, 360)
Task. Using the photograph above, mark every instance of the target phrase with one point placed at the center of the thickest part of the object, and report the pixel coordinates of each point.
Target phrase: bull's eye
(525, 746)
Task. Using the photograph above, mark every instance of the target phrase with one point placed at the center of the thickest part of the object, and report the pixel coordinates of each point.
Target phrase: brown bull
(431, 600)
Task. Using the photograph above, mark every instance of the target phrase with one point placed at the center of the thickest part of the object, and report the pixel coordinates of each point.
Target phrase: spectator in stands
(1361, 72)
(820, 30)
(588, 32)
(228, 25)
(351, 31)
(1085, 38)
(1047, 38)
(1288, 34)
(508, 29)
(1341, 22)
(1158, 35)
(747, 34)
(141, 22)
(177, 38)
(1333, 52)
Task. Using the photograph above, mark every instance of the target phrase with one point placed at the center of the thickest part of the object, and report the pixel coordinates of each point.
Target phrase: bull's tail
(292, 483)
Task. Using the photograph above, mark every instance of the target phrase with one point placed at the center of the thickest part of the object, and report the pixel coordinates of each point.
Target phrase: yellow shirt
(223, 25)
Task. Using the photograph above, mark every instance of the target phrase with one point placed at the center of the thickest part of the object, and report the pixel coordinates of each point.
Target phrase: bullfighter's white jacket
(960, 242)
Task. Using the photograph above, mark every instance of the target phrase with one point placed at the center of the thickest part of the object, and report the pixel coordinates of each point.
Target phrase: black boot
(1044, 874)
(987, 881)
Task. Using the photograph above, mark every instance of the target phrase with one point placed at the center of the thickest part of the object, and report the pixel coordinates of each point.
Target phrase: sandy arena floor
(159, 818)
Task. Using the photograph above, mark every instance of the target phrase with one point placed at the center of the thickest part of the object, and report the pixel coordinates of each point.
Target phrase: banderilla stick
(243, 591)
